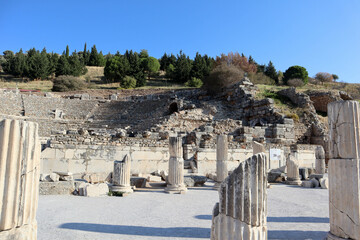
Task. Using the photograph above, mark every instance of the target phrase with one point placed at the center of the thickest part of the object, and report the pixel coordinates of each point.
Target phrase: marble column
(292, 166)
(176, 167)
(19, 179)
(344, 181)
(221, 159)
(320, 160)
(121, 176)
(241, 212)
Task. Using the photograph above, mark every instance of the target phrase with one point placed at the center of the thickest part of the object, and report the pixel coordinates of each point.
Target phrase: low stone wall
(146, 157)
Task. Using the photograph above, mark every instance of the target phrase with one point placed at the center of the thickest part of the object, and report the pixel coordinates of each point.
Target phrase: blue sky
(321, 35)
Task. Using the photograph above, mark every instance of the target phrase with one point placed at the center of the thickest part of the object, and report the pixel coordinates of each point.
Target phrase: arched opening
(173, 108)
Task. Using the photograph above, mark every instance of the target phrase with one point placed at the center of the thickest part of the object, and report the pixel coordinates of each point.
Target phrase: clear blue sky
(321, 35)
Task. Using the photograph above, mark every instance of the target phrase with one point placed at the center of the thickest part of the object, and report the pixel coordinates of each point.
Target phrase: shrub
(261, 78)
(294, 116)
(222, 76)
(128, 82)
(194, 82)
(324, 77)
(66, 83)
(296, 82)
(296, 72)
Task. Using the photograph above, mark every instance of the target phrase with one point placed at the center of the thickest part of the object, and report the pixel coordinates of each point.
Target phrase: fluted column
(221, 159)
(176, 167)
(241, 212)
(121, 176)
(320, 160)
(344, 183)
(292, 166)
(19, 179)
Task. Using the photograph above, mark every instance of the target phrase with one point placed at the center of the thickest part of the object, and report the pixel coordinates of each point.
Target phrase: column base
(217, 185)
(175, 189)
(293, 181)
(122, 189)
(25, 232)
(331, 236)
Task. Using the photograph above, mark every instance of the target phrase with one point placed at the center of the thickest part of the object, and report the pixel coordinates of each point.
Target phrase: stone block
(94, 190)
(194, 180)
(152, 178)
(56, 188)
(324, 183)
(307, 184)
(138, 182)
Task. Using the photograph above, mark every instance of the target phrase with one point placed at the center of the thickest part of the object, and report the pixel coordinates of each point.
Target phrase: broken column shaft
(19, 179)
(344, 181)
(121, 176)
(221, 159)
(176, 167)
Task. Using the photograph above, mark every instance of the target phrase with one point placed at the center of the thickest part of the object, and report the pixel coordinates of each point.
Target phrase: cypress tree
(271, 72)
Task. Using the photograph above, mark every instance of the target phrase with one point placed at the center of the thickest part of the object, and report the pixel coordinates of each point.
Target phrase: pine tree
(271, 72)
(199, 67)
(67, 53)
(182, 68)
(94, 59)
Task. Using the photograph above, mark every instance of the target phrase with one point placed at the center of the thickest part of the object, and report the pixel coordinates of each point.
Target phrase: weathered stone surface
(121, 176)
(292, 164)
(138, 182)
(324, 183)
(54, 177)
(275, 176)
(258, 148)
(56, 188)
(344, 126)
(307, 184)
(344, 175)
(320, 160)
(304, 173)
(19, 179)
(93, 190)
(241, 211)
(176, 167)
(194, 180)
(221, 159)
(98, 177)
(152, 178)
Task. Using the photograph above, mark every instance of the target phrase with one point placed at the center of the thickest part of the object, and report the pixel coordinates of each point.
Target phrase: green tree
(153, 65)
(199, 67)
(37, 64)
(95, 59)
(116, 68)
(63, 67)
(270, 71)
(18, 64)
(296, 72)
(67, 51)
(128, 82)
(77, 67)
(335, 77)
(182, 72)
(136, 68)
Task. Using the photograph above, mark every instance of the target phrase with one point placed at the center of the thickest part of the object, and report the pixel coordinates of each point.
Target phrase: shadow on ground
(296, 235)
(298, 219)
(183, 232)
(203, 217)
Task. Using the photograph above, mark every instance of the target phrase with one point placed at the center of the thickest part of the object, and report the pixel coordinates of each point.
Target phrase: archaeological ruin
(93, 146)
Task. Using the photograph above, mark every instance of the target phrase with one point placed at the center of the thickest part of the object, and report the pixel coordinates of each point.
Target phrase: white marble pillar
(292, 166)
(241, 212)
(344, 181)
(176, 167)
(320, 160)
(19, 179)
(221, 159)
(121, 176)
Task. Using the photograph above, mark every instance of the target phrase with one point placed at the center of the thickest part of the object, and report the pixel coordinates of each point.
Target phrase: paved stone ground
(293, 213)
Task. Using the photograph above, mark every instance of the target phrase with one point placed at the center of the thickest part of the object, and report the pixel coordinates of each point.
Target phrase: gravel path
(293, 213)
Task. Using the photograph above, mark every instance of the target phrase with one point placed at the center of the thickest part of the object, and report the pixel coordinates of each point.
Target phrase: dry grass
(44, 86)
